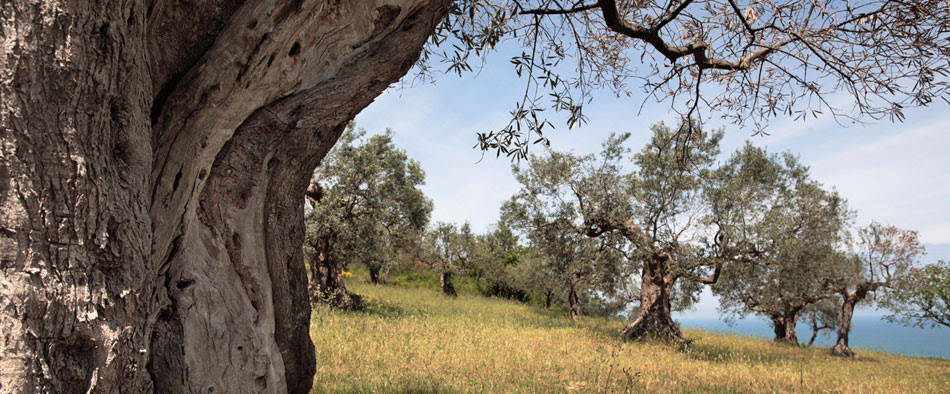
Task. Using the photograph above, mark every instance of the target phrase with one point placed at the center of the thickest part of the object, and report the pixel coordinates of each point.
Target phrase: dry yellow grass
(416, 340)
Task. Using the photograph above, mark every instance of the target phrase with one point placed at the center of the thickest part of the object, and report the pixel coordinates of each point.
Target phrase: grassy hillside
(414, 339)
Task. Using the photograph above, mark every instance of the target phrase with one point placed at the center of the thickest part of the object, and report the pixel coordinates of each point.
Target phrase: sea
(867, 332)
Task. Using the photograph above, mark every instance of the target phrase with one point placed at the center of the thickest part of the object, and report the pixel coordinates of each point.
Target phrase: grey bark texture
(154, 160)
(849, 300)
(656, 319)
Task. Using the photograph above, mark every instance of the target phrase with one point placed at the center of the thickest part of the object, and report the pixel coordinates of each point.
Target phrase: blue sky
(894, 173)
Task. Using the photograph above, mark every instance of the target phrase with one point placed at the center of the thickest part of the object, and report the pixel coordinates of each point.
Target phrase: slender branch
(562, 11)
(748, 27)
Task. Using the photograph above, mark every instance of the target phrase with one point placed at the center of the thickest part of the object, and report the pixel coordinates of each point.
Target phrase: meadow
(411, 338)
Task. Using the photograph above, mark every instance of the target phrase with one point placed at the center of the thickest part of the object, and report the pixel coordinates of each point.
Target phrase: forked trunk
(445, 282)
(814, 335)
(153, 156)
(655, 319)
(548, 297)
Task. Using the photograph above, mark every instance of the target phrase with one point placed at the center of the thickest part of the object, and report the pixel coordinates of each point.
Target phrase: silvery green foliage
(372, 208)
(921, 299)
(626, 206)
(794, 224)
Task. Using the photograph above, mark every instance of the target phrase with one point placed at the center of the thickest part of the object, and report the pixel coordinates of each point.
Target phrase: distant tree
(498, 251)
(450, 250)
(367, 207)
(540, 280)
(797, 228)
(561, 254)
(653, 216)
(922, 298)
(885, 257)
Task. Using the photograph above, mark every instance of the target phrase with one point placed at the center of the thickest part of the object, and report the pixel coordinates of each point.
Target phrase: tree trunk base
(449, 290)
(343, 300)
(661, 328)
(842, 350)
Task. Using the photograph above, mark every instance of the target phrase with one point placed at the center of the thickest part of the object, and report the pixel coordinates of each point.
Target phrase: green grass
(413, 339)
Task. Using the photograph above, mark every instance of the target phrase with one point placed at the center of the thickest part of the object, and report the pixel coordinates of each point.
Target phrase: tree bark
(153, 159)
(573, 301)
(656, 318)
(814, 335)
(784, 328)
(326, 280)
(815, 329)
(384, 273)
(374, 274)
(849, 300)
(378, 273)
(445, 282)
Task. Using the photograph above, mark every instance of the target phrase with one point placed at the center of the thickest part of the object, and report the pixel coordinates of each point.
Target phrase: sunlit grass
(414, 339)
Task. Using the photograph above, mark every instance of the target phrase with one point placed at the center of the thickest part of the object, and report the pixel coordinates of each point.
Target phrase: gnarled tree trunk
(378, 272)
(326, 273)
(326, 281)
(844, 328)
(656, 318)
(849, 300)
(154, 155)
(784, 328)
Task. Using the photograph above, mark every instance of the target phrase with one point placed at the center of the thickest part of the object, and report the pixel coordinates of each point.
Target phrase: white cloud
(899, 178)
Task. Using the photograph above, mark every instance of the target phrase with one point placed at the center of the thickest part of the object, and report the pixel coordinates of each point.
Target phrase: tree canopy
(923, 299)
(797, 228)
(746, 61)
(653, 208)
(366, 206)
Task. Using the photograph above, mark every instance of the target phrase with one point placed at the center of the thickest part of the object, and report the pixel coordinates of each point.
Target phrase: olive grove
(154, 154)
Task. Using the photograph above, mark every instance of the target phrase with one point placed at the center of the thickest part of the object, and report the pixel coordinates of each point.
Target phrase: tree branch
(548, 11)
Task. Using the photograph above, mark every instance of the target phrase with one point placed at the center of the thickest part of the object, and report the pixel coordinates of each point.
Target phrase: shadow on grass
(387, 310)
(777, 354)
(414, 385)
(729, 354)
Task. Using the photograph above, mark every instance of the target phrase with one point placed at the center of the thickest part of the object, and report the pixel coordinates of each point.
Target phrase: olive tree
(498, 251)
(366, 208)
(654, 215)
(153, 161)
(797, 229)
(884, 258)
(821, 316)
(450, 249)
(563, 259)
(922, 298)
